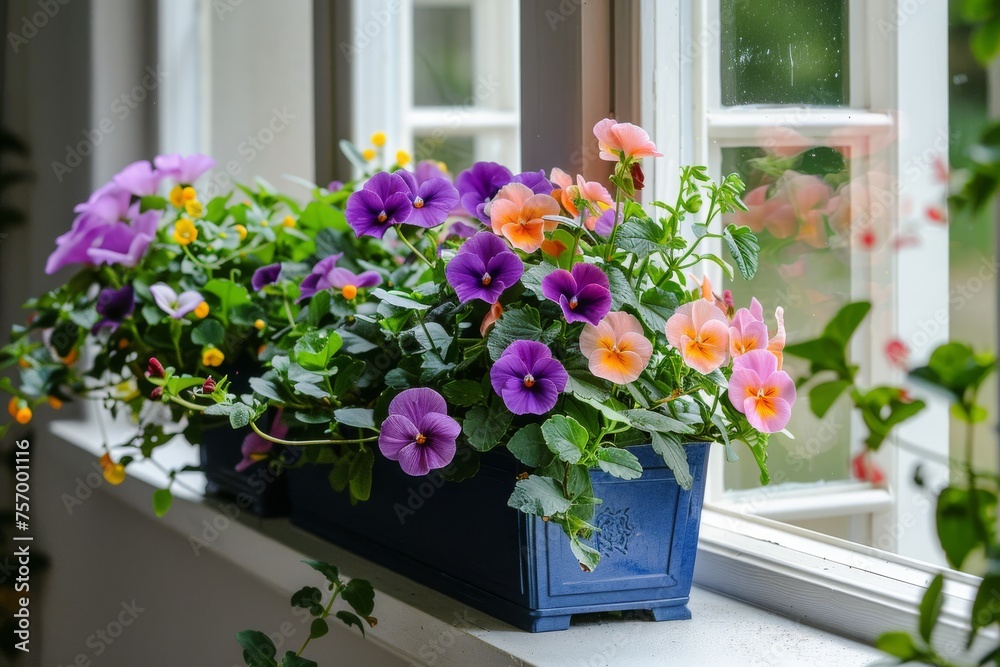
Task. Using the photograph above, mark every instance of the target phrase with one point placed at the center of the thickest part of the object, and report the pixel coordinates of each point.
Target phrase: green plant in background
(259, 650)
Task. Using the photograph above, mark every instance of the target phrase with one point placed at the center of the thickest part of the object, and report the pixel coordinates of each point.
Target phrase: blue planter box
(463, 540)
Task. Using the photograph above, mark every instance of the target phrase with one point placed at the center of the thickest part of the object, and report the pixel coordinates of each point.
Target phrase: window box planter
(463, 540)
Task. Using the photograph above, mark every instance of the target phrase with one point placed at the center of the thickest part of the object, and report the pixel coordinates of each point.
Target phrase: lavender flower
(418, 432)
(584, 295)
(264, 276)
(483, 268)
(184, 169)
(256, 448)
(139, 178)
(432, 200)
(383, 202)
(124, 243)
(174, 305)
(527, 378)
(480, 183)
(428, 169)
(113, 305)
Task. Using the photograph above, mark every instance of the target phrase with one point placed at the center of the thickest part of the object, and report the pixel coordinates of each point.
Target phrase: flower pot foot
(678, 612)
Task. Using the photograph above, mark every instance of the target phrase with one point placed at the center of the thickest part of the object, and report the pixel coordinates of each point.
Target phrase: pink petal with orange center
(618, 367)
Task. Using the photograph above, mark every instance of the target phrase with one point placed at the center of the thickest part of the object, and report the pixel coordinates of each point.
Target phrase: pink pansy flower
(700, 332)
(760, 391)
(616, 348)
(747, 331)
(623, 141)
(776, 345)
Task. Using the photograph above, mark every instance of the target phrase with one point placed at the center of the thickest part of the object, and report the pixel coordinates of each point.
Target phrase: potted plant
(533, 335)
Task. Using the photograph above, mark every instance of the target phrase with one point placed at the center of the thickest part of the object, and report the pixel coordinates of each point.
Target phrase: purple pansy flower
(256, 448)
(480, 183)
(113, 305)
(384, 201)
(264, 276)
(535, 180)
(428, 169)
(483, 268)
(173, 304)
(335, 186)
(139, 178)
(584, 295)
(460, 230)
(124, 243)
(527, 378)
(418, 432)
(606, 222)
(317, 280)
(184, 169)
(432, 200)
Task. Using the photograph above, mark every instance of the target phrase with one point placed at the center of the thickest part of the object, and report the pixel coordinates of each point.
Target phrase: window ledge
(427, 627)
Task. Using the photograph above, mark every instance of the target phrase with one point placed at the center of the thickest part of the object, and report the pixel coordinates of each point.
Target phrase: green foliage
(259, 650)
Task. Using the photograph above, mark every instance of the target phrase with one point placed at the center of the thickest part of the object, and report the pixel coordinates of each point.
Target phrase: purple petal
(589, 274)
(264, 276)
(415, 403)
(396, 432)
(537, 400)
(480, 183)
(551, 370)
(384, 185)
(185, 169)
(308, 287)
(559, 283)
(139, 178)
(465, 275)
(505, 268)
(426, 170)
(164, 296)
(368, 279)
(437, 198)
(186, 302)
(505, 368)
(535, 180)
(116, 304)
(593, 302)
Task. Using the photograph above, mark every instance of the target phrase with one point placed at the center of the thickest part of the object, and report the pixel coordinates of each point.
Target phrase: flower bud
(693, 204)
(209, 385)
(154, 369)
(156, 394)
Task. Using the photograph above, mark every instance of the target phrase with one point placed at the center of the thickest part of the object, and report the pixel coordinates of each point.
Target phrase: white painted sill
(417, 623)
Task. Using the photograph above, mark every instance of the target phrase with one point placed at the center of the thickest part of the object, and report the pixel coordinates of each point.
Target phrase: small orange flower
(23, 415)
(114, 473)
(349, 292)
(177, 196)
(55, 402)
(212, 357)
(23, 363)
(516, 213)
(490, 319)
(13, 405)
(259, 325)
(70, 358)
(201, 311)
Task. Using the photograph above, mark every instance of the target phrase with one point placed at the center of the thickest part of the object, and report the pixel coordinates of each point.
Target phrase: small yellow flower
(185, 232)
(368, 154)
(402, 158)
(349, 292)
(259, 325)
(23, 363)
(55, 402)
(177, 197)
(264, 223)
(201, 311)
(212, 357)
(289, 221)
(442, 166)
(378, 139)
(114, 473)
(242, 231)
(188, 194)
(194, 208)
(23, 415)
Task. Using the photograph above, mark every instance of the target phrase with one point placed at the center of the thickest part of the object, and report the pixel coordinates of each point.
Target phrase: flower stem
(326, 613)
(298, 443)
(406, 242)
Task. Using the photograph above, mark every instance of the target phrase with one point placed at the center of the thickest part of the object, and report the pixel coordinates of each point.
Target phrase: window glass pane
(972, 236)
(784, 52)
(442, 55)
(799, 205)
(457, 153)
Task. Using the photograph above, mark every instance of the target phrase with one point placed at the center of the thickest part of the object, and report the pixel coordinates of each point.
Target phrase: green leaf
(152, 203)
(619, 462)
(844, 323)
(318, 216)
(959, 529)
(622, 292)
(315, 349)
(485, 427)
(540, 496)
(162, 500)
(639, 236)
(229, 294)
(823, 354)
(898, 644)
(582, 385)
(208, 332)
(930, 607)
(744, 247)
(258, 649)
(356, 417)
(292, 660)
(266, 388)
(361, 475)
(463, 393)
(329, 571)
(586, 555)
(985, 41)
(318, 628)
(240, 416)
(565, 437)
(528, 445)
(309, 597)
(984, 608)
(514, 324)
(351, 619)
(360, 594)
(823, 396)
(656, 422)
(655, 308)
(398, 299)
(670, 448)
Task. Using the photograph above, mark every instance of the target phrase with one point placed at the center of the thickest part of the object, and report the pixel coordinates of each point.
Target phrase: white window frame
(492, 118)
(844, 586)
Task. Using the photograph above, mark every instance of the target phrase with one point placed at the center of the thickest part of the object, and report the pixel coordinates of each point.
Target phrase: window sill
(425, 626)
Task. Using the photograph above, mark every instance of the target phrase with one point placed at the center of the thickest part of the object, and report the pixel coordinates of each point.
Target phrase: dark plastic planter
(256, 488)
(463, 540)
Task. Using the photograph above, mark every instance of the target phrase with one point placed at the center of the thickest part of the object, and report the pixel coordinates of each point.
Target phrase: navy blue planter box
(463, 540)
